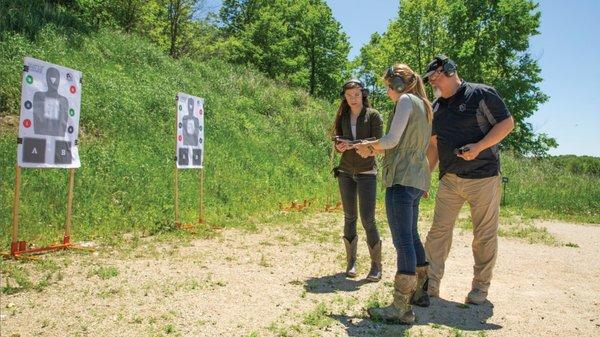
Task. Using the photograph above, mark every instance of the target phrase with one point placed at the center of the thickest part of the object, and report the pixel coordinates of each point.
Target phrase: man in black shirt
(469, 121)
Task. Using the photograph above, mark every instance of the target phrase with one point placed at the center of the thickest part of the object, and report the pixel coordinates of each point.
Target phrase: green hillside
(265, 143)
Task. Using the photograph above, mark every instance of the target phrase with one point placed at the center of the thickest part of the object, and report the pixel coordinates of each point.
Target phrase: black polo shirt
(466, 118)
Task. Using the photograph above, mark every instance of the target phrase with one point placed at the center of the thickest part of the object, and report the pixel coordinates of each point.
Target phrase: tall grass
(265, 143)
(546, 188)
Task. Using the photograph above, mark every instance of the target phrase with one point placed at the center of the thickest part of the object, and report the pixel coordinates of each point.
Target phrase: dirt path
(286, 282)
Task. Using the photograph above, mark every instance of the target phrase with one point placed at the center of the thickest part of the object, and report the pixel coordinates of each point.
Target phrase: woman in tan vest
(405, 173)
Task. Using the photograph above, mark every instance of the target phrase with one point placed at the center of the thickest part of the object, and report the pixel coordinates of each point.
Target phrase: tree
(235, 14)
(127, 13)
(177, 26)
(296, 41)
(180, 14)
(489, 40)
(326, 48)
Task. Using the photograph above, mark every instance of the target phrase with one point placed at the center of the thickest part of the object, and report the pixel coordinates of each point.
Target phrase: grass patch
(35, 275)
(530, 233)
(264, 262)
(169, 328)
(104, 273)
(15, 278)
(111, 292)
(278, 330)
(318, 317)
(454, 332)
(376, 300)
(512, 225)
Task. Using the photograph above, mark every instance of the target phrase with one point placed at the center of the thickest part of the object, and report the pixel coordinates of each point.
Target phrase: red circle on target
(200, 112)
(72, 89)
(27, 123)
(180, 137)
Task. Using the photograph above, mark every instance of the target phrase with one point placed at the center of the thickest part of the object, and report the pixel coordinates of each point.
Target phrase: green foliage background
(489, 41)
(267, 140)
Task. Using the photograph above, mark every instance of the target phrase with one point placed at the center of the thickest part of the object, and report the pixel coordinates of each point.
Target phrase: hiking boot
(476, 296)
(420, 297)
(351, 256)
(433, 288)
(400, 311)
(375, 272)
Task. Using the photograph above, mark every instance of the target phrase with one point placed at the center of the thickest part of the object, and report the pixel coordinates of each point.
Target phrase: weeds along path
(286, 281)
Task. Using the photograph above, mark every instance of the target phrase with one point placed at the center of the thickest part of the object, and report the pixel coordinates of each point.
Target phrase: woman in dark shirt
(356, 120)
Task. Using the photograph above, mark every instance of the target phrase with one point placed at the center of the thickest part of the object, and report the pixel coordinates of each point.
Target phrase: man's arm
(432, 153)
(497, 133)
(495, 136)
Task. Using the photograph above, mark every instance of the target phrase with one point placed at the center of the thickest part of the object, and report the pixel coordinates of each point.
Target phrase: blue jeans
(402, 207)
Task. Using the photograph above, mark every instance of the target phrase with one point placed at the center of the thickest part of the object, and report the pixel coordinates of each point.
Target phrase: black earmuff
(396, 82)
(448, 66)
(365, 92)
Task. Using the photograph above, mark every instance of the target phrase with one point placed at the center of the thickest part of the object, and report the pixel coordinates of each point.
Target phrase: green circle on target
(71, 112)
(29, 79)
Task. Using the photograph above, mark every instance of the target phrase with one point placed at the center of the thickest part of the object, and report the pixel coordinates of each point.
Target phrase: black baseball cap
(432, 66)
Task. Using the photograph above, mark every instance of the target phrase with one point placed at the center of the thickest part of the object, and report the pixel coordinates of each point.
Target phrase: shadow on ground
(440, 315)
(332, 283)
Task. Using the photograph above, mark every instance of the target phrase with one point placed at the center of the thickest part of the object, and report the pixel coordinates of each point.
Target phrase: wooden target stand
(18, 249)
(189, 226)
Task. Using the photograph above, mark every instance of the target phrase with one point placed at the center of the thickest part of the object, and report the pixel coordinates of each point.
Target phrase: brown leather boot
(420, 297)
(351, 256)
(375, 272)
(400, 311)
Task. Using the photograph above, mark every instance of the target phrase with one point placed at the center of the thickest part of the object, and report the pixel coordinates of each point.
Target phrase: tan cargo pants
(483, 196)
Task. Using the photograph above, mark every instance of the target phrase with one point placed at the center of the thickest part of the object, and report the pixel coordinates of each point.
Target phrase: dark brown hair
(345, 107)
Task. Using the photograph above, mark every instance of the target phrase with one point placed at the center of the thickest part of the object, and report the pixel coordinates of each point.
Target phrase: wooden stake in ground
(19, 248)
(201, 197)
(15, 223)
(176, 197)
(67, 237)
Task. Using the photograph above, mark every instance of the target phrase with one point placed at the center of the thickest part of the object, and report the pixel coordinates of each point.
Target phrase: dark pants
(365, 187)
(402, 207)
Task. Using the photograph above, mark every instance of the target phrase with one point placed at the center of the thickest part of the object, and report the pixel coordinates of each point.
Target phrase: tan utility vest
(406, 163)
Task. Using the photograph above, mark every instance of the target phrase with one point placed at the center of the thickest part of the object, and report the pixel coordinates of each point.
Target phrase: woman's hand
(341, 146)
(365, 149)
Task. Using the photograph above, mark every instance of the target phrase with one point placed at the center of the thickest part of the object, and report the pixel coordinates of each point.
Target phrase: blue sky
(567, 49)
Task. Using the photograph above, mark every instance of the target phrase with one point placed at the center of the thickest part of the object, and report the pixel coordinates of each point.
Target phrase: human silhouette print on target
(50, 109)
(191, 125)
(49, 120)
(190, 131)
